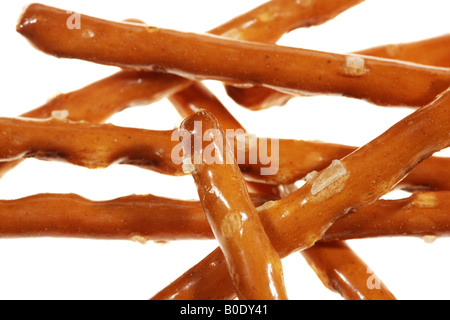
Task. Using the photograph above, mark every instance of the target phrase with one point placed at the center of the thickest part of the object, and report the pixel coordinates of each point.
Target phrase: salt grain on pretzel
(254, 265)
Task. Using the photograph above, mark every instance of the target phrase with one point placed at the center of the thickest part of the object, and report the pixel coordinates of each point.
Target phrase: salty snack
(253, 263)
(339, 200)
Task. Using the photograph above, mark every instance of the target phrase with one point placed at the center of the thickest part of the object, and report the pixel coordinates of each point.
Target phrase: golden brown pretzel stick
(423, 214)
(97, 102)
(141, 218)
(253, 263)
(197, 96)
(277, 17)
(159, 219)
(338, 266)
(258, 97)
(84, 144)
(298, 158)
(300, 220)
(377, 80)
(433, 52)
(95, 146)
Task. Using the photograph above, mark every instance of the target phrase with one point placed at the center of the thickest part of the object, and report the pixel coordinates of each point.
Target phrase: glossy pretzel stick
(424, 214)
(96, 146)
(324, 259)
(272, 20)
(139, 218)
(433, 52)
(338, 267)
(380, 81)
(300, 220)
(253, 263)
(151, 218)
(88, 145)
(298, 158)
(99, 101)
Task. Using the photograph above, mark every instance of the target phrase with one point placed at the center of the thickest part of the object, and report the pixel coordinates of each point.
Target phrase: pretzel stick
(88, 145)
(277, 17)
(95, 146)
(128, 88)
(298, 158)
(99, 146)
(433, 52)
(253, 263)
(300, 220)
(99, 101)
(197, 96)
(337, 266)
(139, 218)
(424, 214)
(151, 218)
(298, 70)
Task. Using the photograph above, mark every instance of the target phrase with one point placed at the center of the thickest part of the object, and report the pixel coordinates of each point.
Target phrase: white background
(85, 269)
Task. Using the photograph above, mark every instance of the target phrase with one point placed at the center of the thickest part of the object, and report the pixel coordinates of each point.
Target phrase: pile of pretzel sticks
(256, 219)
